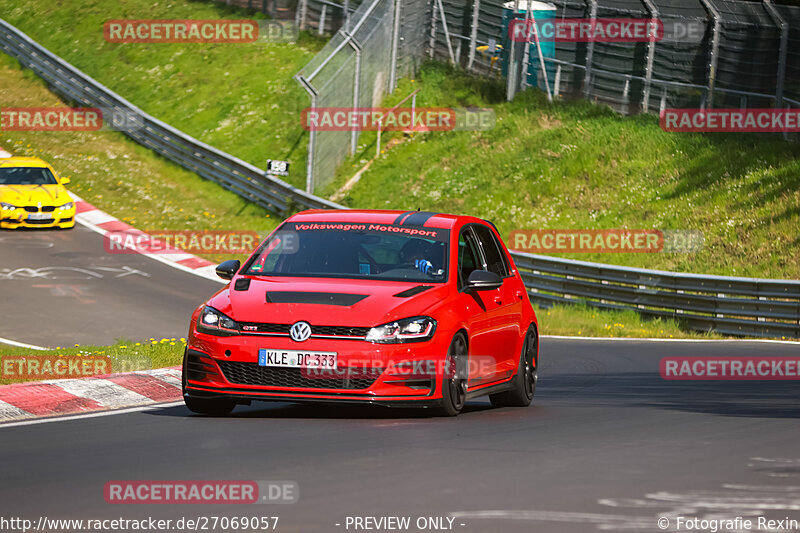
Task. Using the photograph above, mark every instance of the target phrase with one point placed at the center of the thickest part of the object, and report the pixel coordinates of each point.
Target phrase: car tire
(204, 406)
(454, 378)
(524, 381)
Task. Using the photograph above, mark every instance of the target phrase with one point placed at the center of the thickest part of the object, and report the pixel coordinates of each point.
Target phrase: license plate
(297, 359)
(40, 216)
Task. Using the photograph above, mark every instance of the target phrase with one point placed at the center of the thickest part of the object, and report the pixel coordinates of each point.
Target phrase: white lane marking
(11, 412)
(22, 344)
(96, 217)
(91, 415)
(105, 392)
(204, 272)
(650, 339)
(168, 377)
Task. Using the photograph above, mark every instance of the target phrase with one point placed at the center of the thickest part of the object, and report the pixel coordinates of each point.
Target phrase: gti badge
(300, 331)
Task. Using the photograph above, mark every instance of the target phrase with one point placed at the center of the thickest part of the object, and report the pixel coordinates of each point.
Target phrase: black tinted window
(495, 260)
(354, 250)
(467, 257)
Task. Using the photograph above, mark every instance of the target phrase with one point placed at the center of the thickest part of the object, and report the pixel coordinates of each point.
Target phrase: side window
(467, 257)
(495, 259)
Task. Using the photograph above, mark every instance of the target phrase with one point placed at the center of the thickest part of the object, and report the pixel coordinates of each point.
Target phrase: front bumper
(18, 218)
(383, 374)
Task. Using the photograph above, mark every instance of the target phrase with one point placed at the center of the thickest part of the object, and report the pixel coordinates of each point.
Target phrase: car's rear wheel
(205, 406)
(454, 378)
(524, 382)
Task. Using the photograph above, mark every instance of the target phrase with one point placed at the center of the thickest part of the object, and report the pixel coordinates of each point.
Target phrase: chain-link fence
(356, 69)
(733, 54)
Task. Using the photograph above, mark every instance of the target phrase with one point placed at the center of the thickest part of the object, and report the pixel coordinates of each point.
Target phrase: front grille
(283, 329)
(266, 376)
(31, 209)
(339, 331)
(46, 221)
(48, 208)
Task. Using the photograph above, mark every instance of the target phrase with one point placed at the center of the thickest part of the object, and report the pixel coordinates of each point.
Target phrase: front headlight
(416, 329)
(66, 206)
(7, 207)
(213, 322)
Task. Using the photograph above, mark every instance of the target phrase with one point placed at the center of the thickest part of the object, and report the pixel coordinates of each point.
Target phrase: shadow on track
(755, 399)
(273, 410)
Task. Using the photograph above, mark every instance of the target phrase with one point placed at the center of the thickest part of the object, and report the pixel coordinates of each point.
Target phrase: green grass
(584, 321)
(239, 97)
(122, 178)
(124, 356)
(578, 165)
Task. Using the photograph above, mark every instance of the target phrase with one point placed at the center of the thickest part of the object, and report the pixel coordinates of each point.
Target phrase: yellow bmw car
(33, 196)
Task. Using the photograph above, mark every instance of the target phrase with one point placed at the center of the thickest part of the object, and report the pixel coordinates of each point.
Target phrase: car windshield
(354, 251)
(26, 176)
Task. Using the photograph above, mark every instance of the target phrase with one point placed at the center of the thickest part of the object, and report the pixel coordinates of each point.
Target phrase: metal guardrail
(228, 171)
(730, 305)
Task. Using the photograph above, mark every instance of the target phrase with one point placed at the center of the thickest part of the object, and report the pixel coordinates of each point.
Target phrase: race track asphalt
(607, 446)
(61, 287)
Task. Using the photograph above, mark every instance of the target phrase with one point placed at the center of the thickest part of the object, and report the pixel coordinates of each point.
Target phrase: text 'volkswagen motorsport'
(384, 307)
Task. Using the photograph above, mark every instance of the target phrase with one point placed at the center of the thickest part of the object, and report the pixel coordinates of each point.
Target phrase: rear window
(354, 251)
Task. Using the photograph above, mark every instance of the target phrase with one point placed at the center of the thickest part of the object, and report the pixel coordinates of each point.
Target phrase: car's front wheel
(524, 382)
(454, 378)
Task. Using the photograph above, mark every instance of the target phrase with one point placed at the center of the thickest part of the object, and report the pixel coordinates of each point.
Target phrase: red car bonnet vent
(320, 298)
(412, 291)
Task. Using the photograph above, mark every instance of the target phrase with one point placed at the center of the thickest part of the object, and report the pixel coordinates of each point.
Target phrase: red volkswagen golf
(384, 307)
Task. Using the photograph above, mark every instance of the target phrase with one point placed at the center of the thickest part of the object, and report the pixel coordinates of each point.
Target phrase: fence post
(322, 14)
(432, 42)
(346, 8)
(473, 34)
(651, 52)
(712, 63)
(511, 78)
(395, 45)
(784, 26)
(300, 16)
(446, 33)
(526, 50)
(356, 88)
(557, 82)
(587, 80)
(312, 137)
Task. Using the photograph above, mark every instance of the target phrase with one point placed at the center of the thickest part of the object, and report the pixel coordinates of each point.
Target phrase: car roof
(23, 162)
(375, 216)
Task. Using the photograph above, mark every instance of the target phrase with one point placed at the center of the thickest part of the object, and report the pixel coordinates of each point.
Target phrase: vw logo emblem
(300, 331)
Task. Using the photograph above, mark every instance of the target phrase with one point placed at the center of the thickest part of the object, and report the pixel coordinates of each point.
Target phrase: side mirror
(483, 280)
(64, 181)
(227, 269)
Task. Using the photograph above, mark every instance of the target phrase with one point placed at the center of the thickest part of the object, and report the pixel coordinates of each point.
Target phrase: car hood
(346, 302)
(22, 195)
